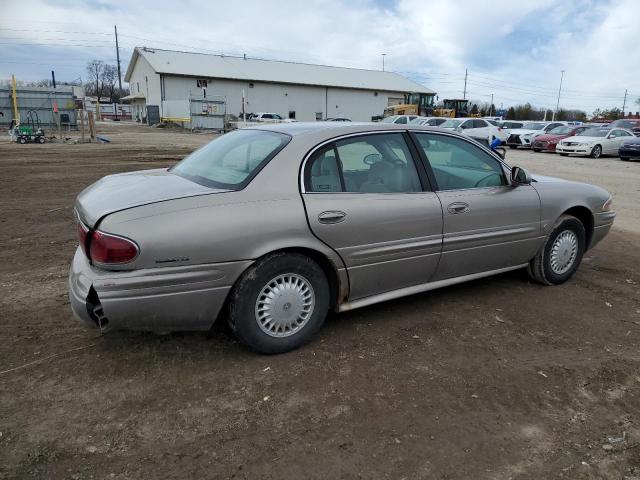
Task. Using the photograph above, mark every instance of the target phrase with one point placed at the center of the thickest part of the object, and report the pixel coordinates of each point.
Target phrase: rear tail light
(108, 249)
(105, 248)
(83, 236)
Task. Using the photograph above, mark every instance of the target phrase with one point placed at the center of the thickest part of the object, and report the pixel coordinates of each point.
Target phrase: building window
(292, 114)
(375, 94)
(138, 84)
(251, 85)
(201, 83)
(318, 115)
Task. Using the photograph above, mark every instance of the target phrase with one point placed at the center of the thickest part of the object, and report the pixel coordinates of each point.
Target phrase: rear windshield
(389, 119)
(624, 124)
(562, 130)
(511, 125)
(232, 160)
(595, 132)
(533, 126)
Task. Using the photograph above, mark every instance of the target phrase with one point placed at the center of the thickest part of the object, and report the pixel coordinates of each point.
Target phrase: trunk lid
(127, 190)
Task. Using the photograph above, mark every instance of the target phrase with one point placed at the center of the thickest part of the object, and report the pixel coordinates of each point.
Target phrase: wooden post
(81, 116)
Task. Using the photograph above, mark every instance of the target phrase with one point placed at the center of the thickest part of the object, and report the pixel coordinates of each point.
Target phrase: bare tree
(109, 81)
(95, 70)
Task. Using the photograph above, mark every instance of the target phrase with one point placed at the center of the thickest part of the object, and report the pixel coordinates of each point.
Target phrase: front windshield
(595, 132)
(231, 161)
(451, 124)
(533, 126)
(561, 131)
(389, 119)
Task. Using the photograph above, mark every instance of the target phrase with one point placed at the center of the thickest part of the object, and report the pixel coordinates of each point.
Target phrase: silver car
(271, 227)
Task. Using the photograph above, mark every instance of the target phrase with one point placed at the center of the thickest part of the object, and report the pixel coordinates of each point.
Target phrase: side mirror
(519, 176)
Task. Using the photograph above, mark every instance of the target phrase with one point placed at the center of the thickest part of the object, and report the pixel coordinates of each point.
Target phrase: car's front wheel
(596, 152)
(279, 303)
(561, 254)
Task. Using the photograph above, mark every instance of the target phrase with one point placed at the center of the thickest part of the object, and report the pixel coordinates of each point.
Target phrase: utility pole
(115, 107)
(559, 90)
(464, 94)
(624, 103)
(491, 106)
(383, 55)
(53, 78)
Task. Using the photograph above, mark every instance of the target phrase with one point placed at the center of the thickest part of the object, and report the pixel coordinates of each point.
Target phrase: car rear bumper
(162, 299)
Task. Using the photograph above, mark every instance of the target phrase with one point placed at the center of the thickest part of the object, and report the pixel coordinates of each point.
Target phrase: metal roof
(251, 69)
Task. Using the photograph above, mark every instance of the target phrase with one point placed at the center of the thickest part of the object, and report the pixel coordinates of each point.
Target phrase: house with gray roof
(199, 88)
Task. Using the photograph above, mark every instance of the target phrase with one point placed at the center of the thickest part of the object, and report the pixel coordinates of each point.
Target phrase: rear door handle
(458, 207)
(331, 216)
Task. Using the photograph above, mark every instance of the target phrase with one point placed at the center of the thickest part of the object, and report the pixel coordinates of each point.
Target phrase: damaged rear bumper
(162, 299)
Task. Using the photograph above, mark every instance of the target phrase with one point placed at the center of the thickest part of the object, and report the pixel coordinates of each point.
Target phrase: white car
(595, 142)
(523, 137)
(269, 117)
(400, 119)
(429, 121)
(477, 128)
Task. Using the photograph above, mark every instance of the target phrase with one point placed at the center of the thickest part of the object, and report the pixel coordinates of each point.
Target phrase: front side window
(458, 164)
(365, 164)
(231, 161)
(402, 120)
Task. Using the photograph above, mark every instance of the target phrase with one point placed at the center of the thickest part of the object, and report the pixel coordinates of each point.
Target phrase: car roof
(337, 128)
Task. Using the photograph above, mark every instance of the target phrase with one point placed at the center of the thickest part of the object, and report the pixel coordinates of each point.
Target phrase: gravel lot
(494, 379)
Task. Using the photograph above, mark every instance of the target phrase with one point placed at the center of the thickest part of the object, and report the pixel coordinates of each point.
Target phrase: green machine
(30, 131)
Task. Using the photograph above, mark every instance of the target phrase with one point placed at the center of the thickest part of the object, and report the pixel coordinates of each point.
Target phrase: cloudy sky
(512, 49)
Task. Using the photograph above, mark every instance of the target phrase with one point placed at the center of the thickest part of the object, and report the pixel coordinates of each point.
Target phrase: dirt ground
(494, 379)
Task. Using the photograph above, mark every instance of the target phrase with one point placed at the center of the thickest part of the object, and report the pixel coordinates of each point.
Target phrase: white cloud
(512, 49)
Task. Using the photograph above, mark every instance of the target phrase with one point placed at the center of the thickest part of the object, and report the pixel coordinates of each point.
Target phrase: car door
(488, 224)
(367, 198)
(615, 139)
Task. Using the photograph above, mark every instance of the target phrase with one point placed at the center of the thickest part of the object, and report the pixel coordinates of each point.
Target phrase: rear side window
(232, 160)
(458, 164)
(365, 164)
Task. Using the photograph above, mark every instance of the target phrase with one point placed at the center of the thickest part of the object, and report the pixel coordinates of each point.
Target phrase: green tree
(511, 114)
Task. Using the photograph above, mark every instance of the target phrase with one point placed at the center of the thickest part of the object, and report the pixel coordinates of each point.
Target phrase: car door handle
(458, 207)
(331, 216)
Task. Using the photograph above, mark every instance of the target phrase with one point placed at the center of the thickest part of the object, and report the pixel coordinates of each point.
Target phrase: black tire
(512, 146)
(22, 140)
(244, 297)
(540, 268)
(41, 140)
(564, 154)
(624, 159)
(596, 152)
(537, 150)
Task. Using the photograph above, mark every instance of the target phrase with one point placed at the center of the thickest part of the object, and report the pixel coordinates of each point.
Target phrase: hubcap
(564, 252)
(285, 305)
(597, 151)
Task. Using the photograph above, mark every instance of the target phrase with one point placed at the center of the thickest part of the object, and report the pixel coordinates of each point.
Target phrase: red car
(548, 141)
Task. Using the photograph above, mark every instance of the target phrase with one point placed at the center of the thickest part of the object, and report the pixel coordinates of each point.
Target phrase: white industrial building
(199, 87)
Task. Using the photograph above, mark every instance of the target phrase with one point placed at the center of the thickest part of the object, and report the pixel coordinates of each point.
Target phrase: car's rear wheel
(513, 146)
(279, 303)
(561, 254)
(624, 159)
(596, 152)
(537, 150)
(564, 154)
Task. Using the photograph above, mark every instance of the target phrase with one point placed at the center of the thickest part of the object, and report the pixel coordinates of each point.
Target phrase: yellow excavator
(413, 104)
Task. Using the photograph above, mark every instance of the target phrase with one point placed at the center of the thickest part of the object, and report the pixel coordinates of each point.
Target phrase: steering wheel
(485, 178)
